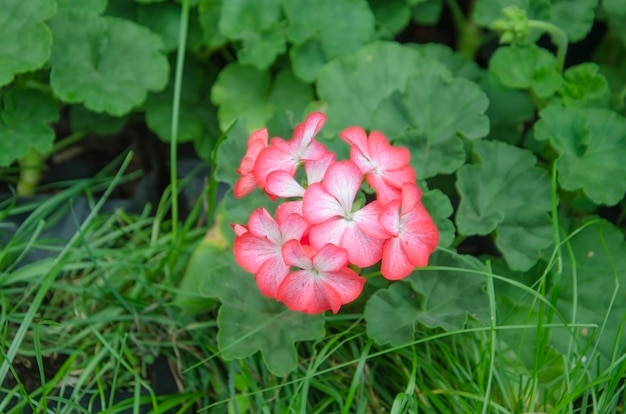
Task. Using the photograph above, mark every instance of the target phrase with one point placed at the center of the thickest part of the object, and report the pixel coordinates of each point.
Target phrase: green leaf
(391, 16)
(526, 67)
(429, 118)
(163, 19)
(583, 83)
(391, 314)
(507, 194)
(24, 39)
(509, 110)
(96, 6)
(24, 124)
(440, 208)
(82, 119)
(353, 86)
(245, 92)
(593, 290)
(108, 64)
(614, 6)
(459, 65)
(427, 12)
(322, 30)
(592, 147)
(438, 298)
(257, 25)
(209, 12)
(197, 120)
(448, 297)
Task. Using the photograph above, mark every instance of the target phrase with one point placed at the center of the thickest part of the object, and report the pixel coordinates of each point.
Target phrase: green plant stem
(67, 141)
(558, 36)
(469, 39)
(178, 80)
(31, 165)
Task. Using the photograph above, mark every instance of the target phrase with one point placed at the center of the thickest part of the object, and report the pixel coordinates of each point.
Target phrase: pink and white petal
(385, 193)
(330, 258)
(286, 208)
(363, 250)
(346, 282)
(307, 130)
(244, 186)
(420, 236)
(411, 196)
(272, 159)
(260, 135)
(316, 169)
(314, 151)
(390, 217)
(343, 180)
(367, 219)
(398, 177)
(395, 264)
(294, 255)
(293, 226)
(331, 231)
(318, 205)
(252, 152)
(283, 184)
(251, 251)
(270, 275)
(239, 229)
(357, 138)
(385, 155)
(262, 224)
(300, 291)
(363, 162)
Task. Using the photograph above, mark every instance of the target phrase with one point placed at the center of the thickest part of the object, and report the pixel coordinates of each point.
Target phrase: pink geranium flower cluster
(307, 254)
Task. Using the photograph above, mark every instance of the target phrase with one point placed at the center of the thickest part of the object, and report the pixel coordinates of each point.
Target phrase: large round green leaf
(108, 64)
(24, 39)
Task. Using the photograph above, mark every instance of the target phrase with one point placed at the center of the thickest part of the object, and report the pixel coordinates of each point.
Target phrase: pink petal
(261, 224)
(283, 184)
(301, 292)
(362, 250)
(294, 255)
(316, 169)
(286, 208)
(395, 264)
(368, 220)
(244, 186)
(239, 229)
(411, 196)
(270, 275)
(293, 226)
(419, 235)
(389, 218)
(255, 146)
(251, 251)
(343, 180)
(384, 155)
(272, 159)
(356, 137)
(306, 131)
(330, 258)
(318, 205)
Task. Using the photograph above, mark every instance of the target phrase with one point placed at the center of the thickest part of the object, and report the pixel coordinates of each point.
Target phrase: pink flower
(258, 250)
(385, 167)
(286, 155)
(329, 204)
(256, 143)
(282, 184)
(415, 235)
(323, 282)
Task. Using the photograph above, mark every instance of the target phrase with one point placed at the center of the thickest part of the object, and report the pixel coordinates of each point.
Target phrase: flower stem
(558, 36)
(31, 165)
(469, 37)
